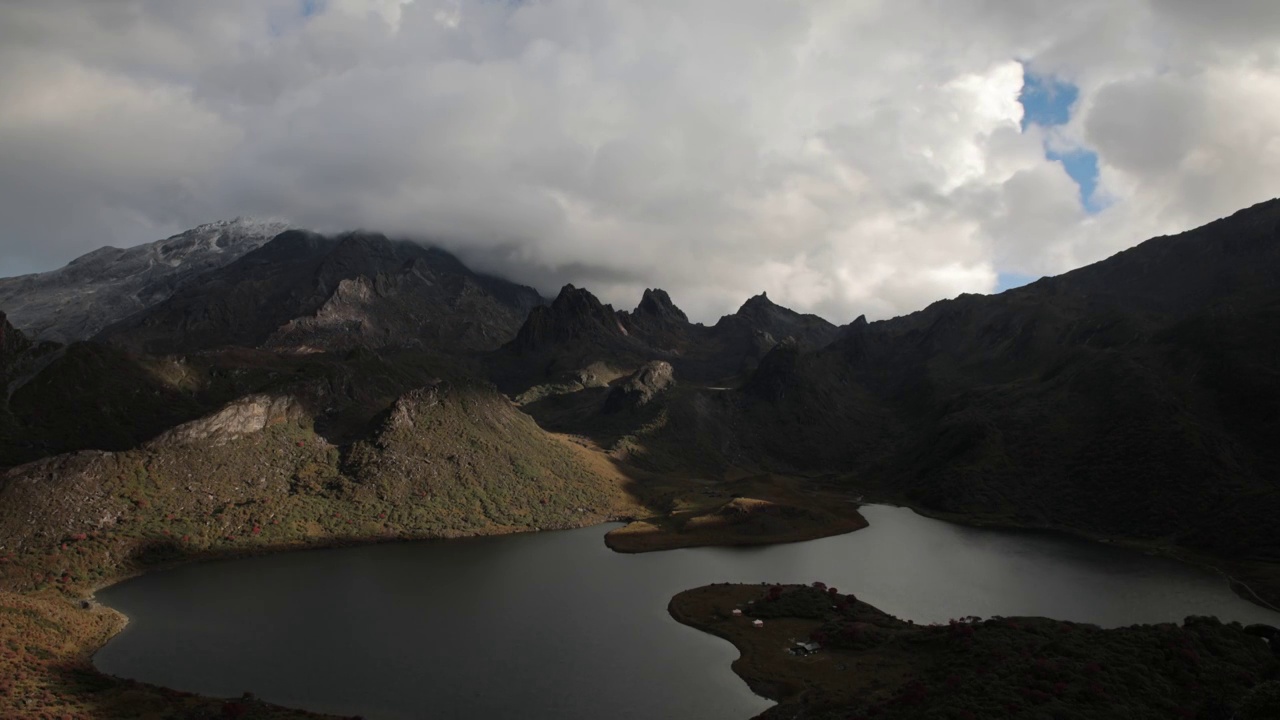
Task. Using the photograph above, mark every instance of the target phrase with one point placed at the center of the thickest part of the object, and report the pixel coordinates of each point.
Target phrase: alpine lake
(556, 625)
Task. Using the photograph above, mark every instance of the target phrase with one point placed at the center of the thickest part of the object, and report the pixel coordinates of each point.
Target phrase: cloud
(848, 157)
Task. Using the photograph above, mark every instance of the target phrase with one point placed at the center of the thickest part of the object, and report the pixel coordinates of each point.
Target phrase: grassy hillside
(447, 460)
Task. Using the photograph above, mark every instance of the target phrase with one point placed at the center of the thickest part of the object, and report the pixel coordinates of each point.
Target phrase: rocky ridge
(105, 286)
(308, 292)
(1134, 397)
(577, 331)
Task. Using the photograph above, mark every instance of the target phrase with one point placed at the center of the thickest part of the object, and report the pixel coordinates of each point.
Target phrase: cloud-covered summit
(847, 156)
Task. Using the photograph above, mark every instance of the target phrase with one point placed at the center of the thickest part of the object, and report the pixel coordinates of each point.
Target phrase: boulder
(641, 387)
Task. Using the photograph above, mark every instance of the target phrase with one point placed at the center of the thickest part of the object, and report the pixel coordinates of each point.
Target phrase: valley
(308, 391)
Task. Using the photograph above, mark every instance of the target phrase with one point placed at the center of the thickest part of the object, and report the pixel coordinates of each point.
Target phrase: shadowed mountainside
(578, 342)
(1136, 398)
(307, 292)
(1139, 396)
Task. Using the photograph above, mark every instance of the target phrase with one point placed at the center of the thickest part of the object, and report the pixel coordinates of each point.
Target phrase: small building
(757, 623)
(737, 612)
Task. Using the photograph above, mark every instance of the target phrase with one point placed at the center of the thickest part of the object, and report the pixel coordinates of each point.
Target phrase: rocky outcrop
(247, 415)
(662, 326)
(575, 316)
(420, 305)
(652, 379)
(656, 305)
(759, 314)
(559, 343)
(577, 329)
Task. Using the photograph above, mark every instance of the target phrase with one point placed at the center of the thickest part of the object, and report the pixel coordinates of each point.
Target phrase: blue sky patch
(1009, 281)
(1047, 101)
(1082, 166)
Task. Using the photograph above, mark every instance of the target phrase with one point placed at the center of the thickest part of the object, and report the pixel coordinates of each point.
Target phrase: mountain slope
(447, 459)
(303, 291)
(1138, 396)
(13, 343)
(107, 285)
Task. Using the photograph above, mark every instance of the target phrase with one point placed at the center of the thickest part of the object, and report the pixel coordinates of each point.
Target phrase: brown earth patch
(759, 510)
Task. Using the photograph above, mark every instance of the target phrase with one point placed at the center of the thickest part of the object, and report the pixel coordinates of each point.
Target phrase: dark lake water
(555, 625)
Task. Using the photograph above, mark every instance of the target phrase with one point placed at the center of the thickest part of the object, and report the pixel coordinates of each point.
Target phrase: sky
(846, 156)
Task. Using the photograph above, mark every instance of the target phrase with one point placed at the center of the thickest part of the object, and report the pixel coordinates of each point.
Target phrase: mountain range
(1135, 399)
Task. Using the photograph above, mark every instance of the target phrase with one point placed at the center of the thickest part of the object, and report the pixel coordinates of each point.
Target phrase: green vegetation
(447, 460)
(872, 665)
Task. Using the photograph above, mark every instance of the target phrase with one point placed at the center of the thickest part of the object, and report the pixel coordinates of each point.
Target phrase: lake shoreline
(1206, 561)
(870, 664)
(85, 653)
(105, 623)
